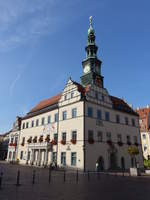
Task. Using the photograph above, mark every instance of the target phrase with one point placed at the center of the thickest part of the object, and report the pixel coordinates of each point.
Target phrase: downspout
(84, 139)
(57, 136)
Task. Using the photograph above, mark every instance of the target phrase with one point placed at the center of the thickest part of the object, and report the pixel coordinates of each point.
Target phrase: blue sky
(42, 44)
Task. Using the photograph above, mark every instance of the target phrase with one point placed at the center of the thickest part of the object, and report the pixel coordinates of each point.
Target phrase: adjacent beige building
(82, 126)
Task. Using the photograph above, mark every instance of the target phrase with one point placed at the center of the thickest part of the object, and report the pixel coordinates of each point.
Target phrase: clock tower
(91, 64)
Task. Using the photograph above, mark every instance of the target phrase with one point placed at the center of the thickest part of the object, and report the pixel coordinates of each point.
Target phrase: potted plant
(29, 140)
(41, 138)
(109, 142)
(128, 143)
(136, 144)
(91, 141)
(120, 143)
(63, 142)
(35, 140)
(53, 142)
(47, 139)
(73, 141)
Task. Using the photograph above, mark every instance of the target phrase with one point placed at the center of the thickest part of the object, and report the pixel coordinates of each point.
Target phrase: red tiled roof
(120, 104)
(45, 103)
(144, 114)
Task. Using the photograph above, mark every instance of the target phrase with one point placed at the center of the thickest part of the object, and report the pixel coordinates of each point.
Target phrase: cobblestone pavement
(69, 186)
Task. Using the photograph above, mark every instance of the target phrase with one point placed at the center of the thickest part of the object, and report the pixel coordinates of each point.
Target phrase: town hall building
(81, 126)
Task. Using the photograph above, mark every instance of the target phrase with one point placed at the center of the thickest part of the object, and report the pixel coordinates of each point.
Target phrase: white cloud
(23, 20)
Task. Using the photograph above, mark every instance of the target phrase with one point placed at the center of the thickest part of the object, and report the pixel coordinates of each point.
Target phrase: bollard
(49, 179)
(88, 176)
(77, 176)
(64, 175)
(18, 178)
(33, 178)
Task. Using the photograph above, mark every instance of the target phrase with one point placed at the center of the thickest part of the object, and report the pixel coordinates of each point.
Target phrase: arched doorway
(122, 163)
(113, 160)
(100, 163)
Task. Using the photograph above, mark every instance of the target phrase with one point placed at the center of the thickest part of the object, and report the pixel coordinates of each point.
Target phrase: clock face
(86, 69)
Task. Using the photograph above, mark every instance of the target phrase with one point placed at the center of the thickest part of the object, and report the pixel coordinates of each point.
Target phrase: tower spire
(91, 64)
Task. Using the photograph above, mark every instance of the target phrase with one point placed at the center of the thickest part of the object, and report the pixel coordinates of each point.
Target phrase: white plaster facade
(84, 125)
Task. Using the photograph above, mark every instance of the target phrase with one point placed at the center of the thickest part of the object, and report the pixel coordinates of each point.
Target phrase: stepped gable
(81, 89)
(119, 104)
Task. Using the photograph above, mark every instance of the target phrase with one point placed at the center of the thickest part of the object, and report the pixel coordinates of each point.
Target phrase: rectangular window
(55, 136)
(23, 126)
(90, 112)
(56, 117)
(64, 136)
(108, 135)
(144, 136)
(90, 135)
(99, 114)
(72, 94)
(119, 138)
(65, 97)
(128, 138)
(73, 158)
(37, 122)
(21, 155)
(32, 123)
(74, 135)
(100, 136)
(43, 120)
(63, 158)
(145, 147)
(27, 124)
(49, 119)
(54, 157)
(107, 118)
(133, 122)
(135, 139)
(126, 121)
(64, 115)
(117, 119)
(74, 112)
